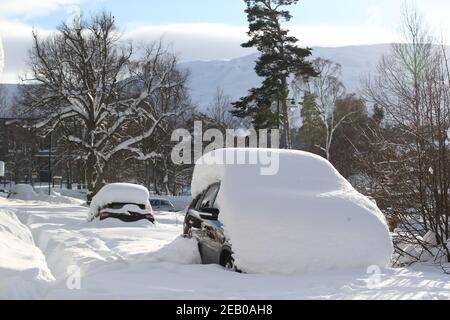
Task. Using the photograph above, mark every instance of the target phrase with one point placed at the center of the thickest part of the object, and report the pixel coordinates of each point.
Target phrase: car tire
(187, 231)
(227, 261)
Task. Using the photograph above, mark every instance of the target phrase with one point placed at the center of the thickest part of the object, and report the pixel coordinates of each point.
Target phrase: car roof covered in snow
(273, 168)
(122, 193)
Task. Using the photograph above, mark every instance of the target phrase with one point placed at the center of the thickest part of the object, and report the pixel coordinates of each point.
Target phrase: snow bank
(306, 217)
(23, 269)
(118, 193)
(180, 251)
(26, 192)
(23, 192)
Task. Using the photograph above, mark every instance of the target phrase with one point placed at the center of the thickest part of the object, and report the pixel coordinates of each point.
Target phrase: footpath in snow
(49, 251)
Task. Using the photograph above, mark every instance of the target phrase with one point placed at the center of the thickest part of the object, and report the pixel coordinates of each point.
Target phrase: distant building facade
(26, 155)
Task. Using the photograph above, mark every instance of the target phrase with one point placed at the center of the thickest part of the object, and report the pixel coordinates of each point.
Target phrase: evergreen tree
(312, 132)
(280, 58)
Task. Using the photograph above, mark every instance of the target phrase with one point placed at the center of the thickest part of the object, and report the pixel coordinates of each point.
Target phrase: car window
(165, 203)
(154, 202)
(210, 196)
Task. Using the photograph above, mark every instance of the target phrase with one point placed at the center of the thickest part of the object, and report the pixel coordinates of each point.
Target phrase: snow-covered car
(159, 204)
(303, 217)
(123, 201)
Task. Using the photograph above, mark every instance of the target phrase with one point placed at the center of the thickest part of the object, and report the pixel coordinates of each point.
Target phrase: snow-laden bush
(306, 217)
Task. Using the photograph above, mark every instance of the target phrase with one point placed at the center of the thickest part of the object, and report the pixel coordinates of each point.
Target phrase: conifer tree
(267, 106)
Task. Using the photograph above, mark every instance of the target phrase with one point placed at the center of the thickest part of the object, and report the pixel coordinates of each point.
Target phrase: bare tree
(327, 88)
(219, 110)
(83, 74)
(410, 159)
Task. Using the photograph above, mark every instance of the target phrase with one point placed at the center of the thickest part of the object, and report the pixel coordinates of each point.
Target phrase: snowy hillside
(236, 76)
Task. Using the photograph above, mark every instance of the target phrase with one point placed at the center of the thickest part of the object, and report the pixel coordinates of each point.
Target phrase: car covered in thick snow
(123, 201)
(302, 217)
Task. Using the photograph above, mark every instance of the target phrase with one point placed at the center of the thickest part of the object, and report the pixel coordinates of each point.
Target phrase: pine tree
(312, 132)
(280, 58)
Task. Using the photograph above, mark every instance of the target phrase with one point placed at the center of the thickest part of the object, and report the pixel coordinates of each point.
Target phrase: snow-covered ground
(49, 251)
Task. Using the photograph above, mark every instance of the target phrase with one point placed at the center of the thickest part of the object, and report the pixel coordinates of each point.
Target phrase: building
(26, 155)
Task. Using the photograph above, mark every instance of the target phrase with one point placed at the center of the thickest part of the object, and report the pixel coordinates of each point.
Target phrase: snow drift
(26, 192)
(24, 273)
(304, 218)
(118, 193)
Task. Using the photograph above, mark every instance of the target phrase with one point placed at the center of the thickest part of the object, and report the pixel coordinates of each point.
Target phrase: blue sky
(211, 29)
(342, 12)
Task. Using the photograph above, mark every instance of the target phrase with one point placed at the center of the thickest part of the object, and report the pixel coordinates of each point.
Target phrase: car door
(210, 243)
(192, 222)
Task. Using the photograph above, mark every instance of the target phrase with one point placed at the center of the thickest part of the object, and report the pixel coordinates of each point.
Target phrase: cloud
(17, 40)
(199, 41)
(206, 41)
(31, 8)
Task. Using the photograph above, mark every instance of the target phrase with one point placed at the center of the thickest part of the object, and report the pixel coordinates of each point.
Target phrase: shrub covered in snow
(306, 217)
(118, 193)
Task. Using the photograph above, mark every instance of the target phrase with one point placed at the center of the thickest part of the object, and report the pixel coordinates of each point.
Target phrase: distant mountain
(235, 77)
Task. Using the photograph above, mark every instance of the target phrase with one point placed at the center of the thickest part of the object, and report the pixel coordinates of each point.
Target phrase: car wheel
(228, 261)
(187, 231)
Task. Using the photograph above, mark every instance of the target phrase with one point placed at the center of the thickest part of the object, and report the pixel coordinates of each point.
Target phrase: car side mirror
(209, 214)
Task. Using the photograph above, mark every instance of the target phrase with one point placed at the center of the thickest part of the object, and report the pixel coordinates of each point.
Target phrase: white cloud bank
(200, 41)
(32, 8)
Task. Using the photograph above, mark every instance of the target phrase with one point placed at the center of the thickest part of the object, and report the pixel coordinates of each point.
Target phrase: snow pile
(304, 218)
(26, 192)
(23, 269)
(118, 193)
(180, 251)
(411, 252)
